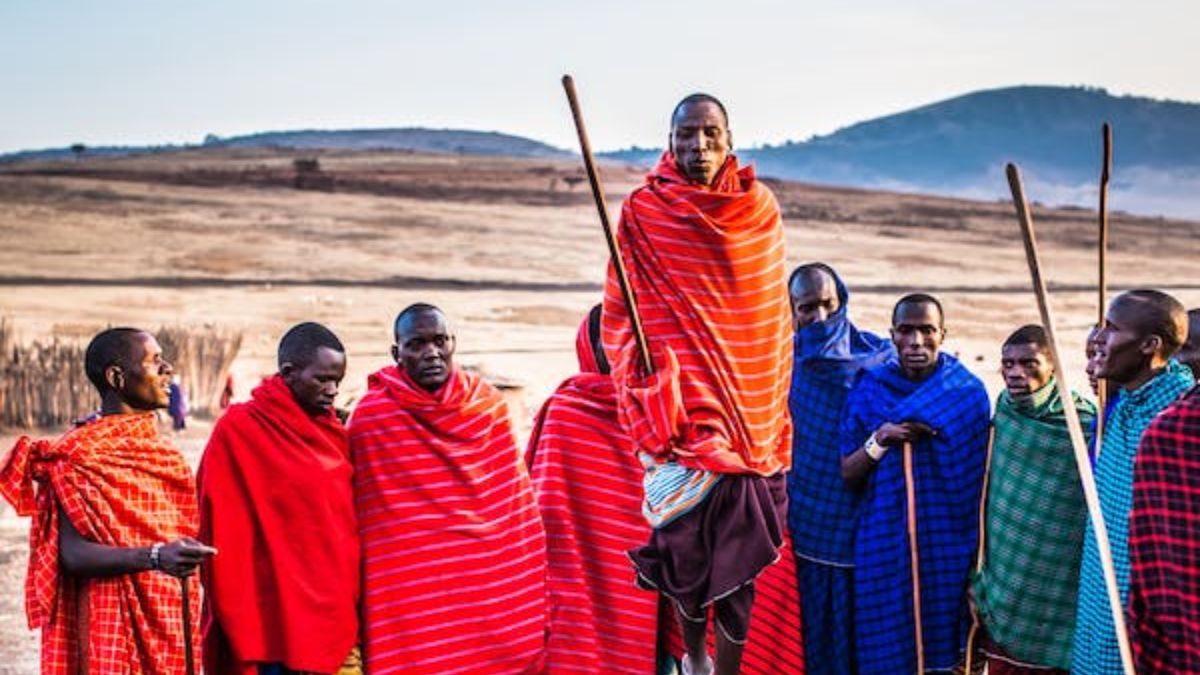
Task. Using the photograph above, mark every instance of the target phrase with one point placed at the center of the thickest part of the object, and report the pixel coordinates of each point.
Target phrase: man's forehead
(427, 323)
(1021, 350)
(698, 113)
(917, 314)
(815, 282)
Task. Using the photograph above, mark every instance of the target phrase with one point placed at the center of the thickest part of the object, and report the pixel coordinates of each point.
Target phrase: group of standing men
(420, 539)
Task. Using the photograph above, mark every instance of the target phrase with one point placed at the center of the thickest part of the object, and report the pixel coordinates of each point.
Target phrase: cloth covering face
(120, 485)
(588, 487)
(706, 267)
(276, 500)
(454, 556)
(1164, 543)
(828, 356)
(1095, 650)
(948, 477)
(1035, 518)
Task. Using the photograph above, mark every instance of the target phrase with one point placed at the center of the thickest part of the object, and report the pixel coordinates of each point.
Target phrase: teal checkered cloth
(1035, 520)
(1096, 651)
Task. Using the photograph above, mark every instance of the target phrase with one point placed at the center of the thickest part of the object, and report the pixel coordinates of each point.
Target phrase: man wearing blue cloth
(1143, 330)
(928, 399)
(829, 353)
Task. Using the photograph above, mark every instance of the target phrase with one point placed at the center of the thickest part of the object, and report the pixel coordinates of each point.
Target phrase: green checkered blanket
(1035, 521)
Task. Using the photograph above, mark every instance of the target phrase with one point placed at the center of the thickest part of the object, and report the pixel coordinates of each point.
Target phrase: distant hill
(416, 139)
(959, 147)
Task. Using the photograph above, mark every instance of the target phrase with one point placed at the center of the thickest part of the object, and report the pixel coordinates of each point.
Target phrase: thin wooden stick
(981, 549)
(1102, 277)
(1082, 462)
(188, 657)
(910, 491)
(614, 253)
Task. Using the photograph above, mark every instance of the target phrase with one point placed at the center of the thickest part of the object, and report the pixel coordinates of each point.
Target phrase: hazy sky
(123, 72)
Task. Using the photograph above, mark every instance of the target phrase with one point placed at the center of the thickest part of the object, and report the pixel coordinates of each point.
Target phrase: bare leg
(694, 634)
(732, 617)
(729, 655)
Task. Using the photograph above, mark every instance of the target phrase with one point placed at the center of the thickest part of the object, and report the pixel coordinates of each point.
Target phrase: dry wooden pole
(910, 493)
(614, 253)
(1082, 462)
(188, 657)
(1102, 277)
(980, 550)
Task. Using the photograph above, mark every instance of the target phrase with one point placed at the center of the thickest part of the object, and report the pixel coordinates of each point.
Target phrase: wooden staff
(1082, 462)
(614, 253)
(188, 658)
(981, 550)
(1102, 278)
(910, 492)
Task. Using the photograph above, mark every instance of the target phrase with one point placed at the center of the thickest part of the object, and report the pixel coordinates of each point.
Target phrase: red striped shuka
(588, 485)
(453, 548)
(1164, 543)
(706, 266)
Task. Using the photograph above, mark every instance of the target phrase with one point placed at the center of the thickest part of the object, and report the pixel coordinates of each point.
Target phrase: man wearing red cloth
(702, 242)
(454, 559)
(114, 515)
(276, 499)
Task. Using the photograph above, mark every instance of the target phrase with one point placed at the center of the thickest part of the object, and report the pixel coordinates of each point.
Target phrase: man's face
(315, 385)
(700, 141)
(1190, 354)
(1092, 350)
(917, 333)
(143, 382)
(1025, 368)
(424, 349)
(1123, 352)
(816, 300)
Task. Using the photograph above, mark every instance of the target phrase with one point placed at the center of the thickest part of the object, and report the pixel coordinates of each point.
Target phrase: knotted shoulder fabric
(1035, 517)
(1095, 650)
(588, 486)
(948, 477)
(706, 266)
(454, 557)
(120, 485)
(1164, 543)
(276, 500)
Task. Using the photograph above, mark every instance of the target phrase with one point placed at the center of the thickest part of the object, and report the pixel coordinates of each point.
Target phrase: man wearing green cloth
(1024, 591)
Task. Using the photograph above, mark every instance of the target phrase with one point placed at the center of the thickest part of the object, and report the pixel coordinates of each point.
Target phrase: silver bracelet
(873, 449)
(155, 563)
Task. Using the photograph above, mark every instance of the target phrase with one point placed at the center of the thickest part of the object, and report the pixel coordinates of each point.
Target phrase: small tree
(78, 149)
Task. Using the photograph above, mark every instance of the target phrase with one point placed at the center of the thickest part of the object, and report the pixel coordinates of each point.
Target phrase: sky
(130, 73)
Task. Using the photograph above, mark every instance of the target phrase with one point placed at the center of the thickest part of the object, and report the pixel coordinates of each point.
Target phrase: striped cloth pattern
(1035, 519)
(1164, 543)
(453, 547)
(948, 475)
(706, 267)
(120, 485)
(588, 488)
(1095, 649)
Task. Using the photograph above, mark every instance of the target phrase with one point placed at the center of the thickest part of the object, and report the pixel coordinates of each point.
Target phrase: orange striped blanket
(453, 547)
(120, 485)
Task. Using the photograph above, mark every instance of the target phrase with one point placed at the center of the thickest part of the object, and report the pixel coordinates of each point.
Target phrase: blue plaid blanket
(1095, 650)
(948, 474)
(828, 357)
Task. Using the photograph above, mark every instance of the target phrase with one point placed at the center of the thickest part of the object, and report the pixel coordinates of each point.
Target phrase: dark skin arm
(82, 558)
(858, 465)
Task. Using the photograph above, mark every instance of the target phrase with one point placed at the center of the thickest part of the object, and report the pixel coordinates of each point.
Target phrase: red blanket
(1164, 542)
(707, 271)
(453, 548)
(276, 500)
(120, 485)
(589, 489)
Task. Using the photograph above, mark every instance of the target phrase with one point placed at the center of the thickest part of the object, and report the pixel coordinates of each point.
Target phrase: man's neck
(1145, 375)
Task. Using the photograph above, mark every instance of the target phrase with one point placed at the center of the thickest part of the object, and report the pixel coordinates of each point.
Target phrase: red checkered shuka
(120, 485)
(1164, 542)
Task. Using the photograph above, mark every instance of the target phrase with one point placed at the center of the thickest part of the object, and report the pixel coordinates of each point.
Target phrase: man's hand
(893, 435)
(181, 557)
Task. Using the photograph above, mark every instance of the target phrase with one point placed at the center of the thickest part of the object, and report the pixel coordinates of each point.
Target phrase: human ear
(115, 377)
(396, 353)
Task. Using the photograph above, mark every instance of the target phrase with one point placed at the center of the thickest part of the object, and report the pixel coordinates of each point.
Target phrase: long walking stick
(980, 551)
(910, 493)
(1102, 277)
(614, 253)
(188, 658)
(1073, 427)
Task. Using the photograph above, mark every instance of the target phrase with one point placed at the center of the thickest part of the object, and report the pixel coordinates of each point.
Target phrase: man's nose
(330, 389)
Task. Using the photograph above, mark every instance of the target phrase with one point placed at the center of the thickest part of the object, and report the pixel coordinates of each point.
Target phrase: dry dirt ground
(508, 248)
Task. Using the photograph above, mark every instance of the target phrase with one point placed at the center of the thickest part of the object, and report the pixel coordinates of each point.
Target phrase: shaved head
(1154, 313)
(112, 347)
(406, 317)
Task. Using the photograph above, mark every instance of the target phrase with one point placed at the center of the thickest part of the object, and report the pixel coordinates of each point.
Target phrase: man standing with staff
(702, 242)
